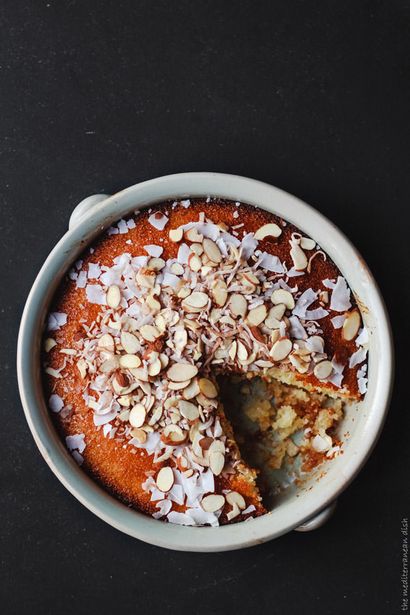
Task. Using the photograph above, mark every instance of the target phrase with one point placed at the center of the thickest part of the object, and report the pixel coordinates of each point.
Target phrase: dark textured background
(94, 96)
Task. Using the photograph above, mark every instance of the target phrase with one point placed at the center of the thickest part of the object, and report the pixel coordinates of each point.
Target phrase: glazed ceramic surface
(304, 508)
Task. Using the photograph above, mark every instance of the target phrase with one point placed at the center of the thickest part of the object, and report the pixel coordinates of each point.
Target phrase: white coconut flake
(131, 224)
(363, 338)
(337, 321)
(158, 220)
(316, 314)
(81, 279)
(96, 294)
(180, 518)
(154, 250)
(248, 246)
(357, 357)
(251, 508)
(78, 458)
(76, 442)
(183, 254)
(340, 300)
(270, 262)
(304, 301)
(329, 283)
(56, 320)
(94, 271)
(297, 330)
(186, 203)
(201, 517)
(122, 227)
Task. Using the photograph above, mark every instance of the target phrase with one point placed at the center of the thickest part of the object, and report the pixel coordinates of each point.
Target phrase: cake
(163, 307)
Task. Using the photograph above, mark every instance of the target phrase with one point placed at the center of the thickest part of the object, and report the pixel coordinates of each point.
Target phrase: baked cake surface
(155, 310)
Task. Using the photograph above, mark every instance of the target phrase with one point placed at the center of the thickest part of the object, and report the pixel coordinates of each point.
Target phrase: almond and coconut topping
(166, 328)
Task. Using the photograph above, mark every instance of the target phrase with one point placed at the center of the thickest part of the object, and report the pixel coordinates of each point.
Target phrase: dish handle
(83, 207)
(318, 520)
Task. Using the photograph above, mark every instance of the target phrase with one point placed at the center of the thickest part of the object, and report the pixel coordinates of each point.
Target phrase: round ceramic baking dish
(300, 508)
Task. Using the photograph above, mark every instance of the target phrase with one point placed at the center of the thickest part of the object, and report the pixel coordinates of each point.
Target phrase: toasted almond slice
(207, 388)
(351, 325)
(139, 434)
(217, 446)
(212, 502)
(179, 372)
(140, 373)
(323, 370)
(242, 352)
(188, 410)
(178, 386)
(129, 342)
(124, 400)
(191, 390)
(149, 333)
(307, 244)
(109, 365)
(232, 514)
(113, 296)
(195, 302)
(236, 499)
(106, 341)
(220, 293)
(153, 303)
(212, 251)
(283, 296)
(193, 235)
(232, 350)
(156, 264)
(194, 262)
(154, 368)
(82, 367)
(174, 434)
(177, 269)
(146, 277)
(183, 293)
(130, 361)
(257, 315)
(180, 338)
(238, 305)
(197, 248)
(281, 349)
(137, 415)
(268, 230)
(155, 416)
(271, 321)
(165, 479)
(176, 234)
(298, 257)
(216, 463)
(49, 344)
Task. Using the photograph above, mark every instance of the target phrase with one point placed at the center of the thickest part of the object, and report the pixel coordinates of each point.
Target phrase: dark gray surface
(310, 96)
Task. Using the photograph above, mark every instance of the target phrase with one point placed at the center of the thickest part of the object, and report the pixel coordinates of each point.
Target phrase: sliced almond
(188, 410)
(268, 230)
(298, 257)
(139, 434)
(257, 315)
(323, 370)
(193, 235)
(197, 248)
(113, 296)
(208, 388)
(146, 277)
(234, 498)
(176, 234)
(106, 341)
(219, 293)
(82, 367)
(195, 302)
(180, 338)
(156, 264)
(216, 462)
(149, 333)
(232, 514)
(307, 244)
(173, 434)
(49, 344)
(281, 349)
(194, 262)
(129, 361)
(153, 303)
(137, 415)
(178, 386)
(212, 502)
(238, 305)
(129, 342)
(154, 368)
(191, 390)
(165, 479)
(109, 365)
(283, 296)
(233, 350)
(242, 352)
(351, 325)
(212, 251)
(179, 372)
(177, 269)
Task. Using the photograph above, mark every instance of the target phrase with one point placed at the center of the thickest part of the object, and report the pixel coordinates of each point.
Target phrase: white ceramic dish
(311, 507)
